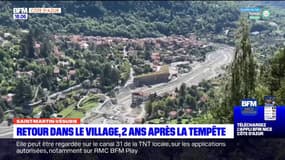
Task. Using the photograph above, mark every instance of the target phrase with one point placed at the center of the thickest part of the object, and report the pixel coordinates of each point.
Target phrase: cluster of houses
(167, 49)
(164, 50)
(161, 42)
(174, 48)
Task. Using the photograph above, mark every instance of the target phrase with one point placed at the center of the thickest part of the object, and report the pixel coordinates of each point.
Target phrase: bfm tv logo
(20, 13)
(249, 106)
(20, 10)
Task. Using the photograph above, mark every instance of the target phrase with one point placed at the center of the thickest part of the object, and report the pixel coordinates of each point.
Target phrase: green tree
(180, 101)
(46, 48)
(169, 103)
(105, 75)
(243, 68)
(23, 92)
(191, 101)
(27, 45)
(280, 94)
(148, 108)
(205, 84)
(109, 75)
(23, 95)
(182, 90)
(277, 70)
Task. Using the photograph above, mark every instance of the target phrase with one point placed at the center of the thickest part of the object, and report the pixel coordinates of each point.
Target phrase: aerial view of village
(120, 63)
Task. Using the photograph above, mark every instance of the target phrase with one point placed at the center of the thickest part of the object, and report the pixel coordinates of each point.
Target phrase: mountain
(128, 18)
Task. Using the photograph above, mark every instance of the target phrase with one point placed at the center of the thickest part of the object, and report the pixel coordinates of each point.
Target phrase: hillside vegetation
(128, 18)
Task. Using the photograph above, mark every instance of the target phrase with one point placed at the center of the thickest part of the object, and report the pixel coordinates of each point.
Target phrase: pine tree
(46, 48)
(23, 92)
(243, 71)
(27, 45)
(277, 70)
(276, 81)
(182, 90)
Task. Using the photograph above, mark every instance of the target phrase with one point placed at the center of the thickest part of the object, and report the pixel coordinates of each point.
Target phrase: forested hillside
(128, 18)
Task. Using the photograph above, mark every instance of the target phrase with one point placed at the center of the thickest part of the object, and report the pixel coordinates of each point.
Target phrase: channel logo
(20, 13)
(249, 106)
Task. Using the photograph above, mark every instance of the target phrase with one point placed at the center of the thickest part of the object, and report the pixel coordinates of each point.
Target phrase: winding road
(208, 69)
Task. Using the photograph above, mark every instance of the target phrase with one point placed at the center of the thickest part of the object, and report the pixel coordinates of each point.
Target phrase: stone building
(153, 78)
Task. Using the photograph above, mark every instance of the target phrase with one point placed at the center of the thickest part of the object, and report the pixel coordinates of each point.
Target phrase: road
(205, 70)
(5, 130)
(208, 69)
